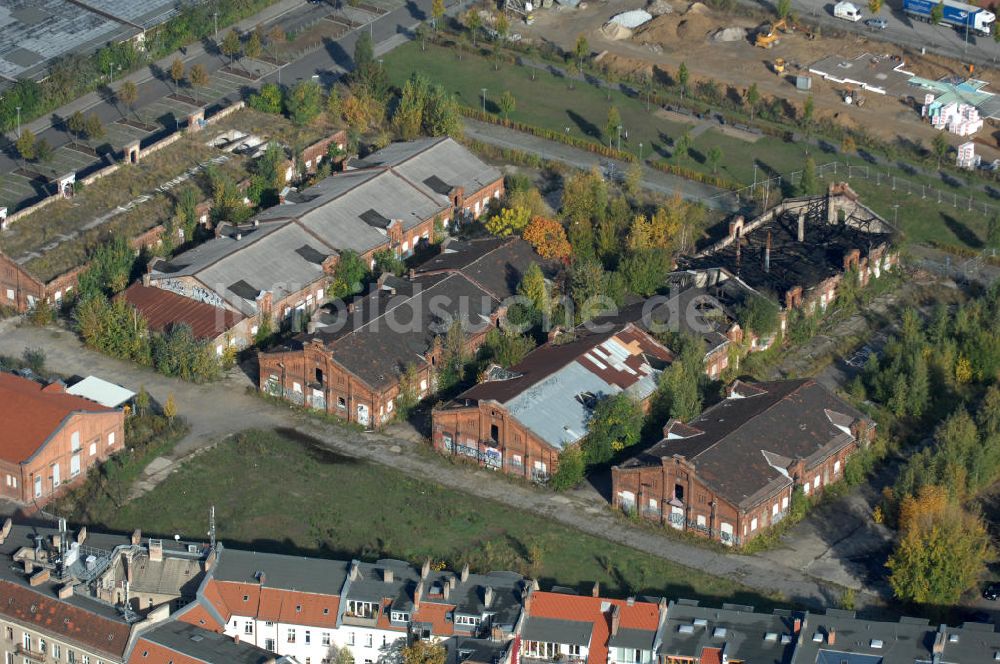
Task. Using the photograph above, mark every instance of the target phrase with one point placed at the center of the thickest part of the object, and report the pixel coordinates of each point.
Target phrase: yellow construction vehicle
(767, 34)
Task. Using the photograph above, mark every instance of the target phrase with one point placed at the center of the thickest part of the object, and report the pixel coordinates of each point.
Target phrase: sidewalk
(145, 74)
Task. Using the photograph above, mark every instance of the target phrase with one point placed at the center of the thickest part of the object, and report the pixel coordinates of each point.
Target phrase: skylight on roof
(719, 633)
(877, 643)
(699, 622)
(685, 629)
(771, 636)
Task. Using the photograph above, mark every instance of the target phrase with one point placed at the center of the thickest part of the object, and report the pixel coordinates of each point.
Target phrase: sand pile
(616, 31)
(660, 7)
(730, 35)
(697, 8)
(670, 29)
(632, 19)
(695, 26)
(621, 64)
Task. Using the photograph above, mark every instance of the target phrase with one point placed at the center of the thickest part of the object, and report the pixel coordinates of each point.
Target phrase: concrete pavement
(220, 409)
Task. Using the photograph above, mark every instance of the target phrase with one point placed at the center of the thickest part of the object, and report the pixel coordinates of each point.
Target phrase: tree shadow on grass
(965, 234)
(587, 127)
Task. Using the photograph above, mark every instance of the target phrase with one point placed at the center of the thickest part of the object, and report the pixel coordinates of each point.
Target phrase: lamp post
(619, 138)
(18, 121)
(640, 153)
(484, 101)
(895, 215)
(215, 16)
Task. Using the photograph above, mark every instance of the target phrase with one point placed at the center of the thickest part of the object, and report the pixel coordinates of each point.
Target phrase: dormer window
(399, 616)
(470, 621)
(359, 609)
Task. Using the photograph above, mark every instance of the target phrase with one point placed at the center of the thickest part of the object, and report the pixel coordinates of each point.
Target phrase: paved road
(217, 410)
(657, 181)
(901, 30)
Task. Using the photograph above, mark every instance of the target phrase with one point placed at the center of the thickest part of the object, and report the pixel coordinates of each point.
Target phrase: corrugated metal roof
(101, 391)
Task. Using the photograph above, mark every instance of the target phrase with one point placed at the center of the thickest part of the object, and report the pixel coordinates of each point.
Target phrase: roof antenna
(211, 526)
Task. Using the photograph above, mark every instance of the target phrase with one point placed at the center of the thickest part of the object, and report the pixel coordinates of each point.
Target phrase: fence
(764, 190)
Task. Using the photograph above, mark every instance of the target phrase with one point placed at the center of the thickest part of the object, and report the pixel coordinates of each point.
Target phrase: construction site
(740, 48)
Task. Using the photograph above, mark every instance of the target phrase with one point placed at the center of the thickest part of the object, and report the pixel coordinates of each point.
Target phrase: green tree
(581, 50)
(783, 8)
(683, 76)
(27, 145)
(142, 401)
(714, 157)
(645, 271)
(875, 6)
(759, 315)
(441, 115)
(437, 11)
(474, 23)
(408, 117)
(613, 123)
(939, 557)
(451, 371)
(570, 471)
(409, 392)
(177, 72)
(304, 102)
(254, 46)
(808, 185)
(128, 94)
(937, 13)
(632, 182)
(76, 124)
(682, 147)
(534, 288)
(508, 221)
(752, 99)
(170, 407)
(93, 128)
(387, 262)
(109, 269)
(940, 147)
(808, 108)
(616, 423)
(502, 26)
(349, 276)
(231, 45)
(505, 347)
(268, 100)
(199, 78)
(334, 106)
(507, 103)
(369, 77)
(993, 231)
(421, 651)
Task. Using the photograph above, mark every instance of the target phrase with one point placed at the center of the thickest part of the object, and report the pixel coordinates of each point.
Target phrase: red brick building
(520, 420)
(730, 473)
(50, 438)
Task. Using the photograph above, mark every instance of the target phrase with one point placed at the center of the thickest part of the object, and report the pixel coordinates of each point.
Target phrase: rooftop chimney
(418, 593)
(446, 590)
(831, 635)
(452, 581)
(616, 619)
(802, 226)
(156, 550)
(426, 569)
(939, 640)
(465, 572)
(5, 530)
(136, 537)
(487, 596)
(39, 578)
(239, 236)
(797, 625)
(596, 590)
(210, 561)
(81, 535)
(767, 253)
(387, 575)
(65, 591)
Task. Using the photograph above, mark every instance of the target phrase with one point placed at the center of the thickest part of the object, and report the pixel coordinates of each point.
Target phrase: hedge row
(696, 176)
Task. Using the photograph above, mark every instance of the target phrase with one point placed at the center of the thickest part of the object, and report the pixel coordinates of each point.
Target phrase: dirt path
(217, 410)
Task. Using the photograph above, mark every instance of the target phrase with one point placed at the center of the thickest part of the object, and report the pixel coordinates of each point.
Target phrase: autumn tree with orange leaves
(548, 237)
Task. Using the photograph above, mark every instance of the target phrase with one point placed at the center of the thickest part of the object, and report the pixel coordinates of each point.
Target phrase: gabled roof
(32, 412)
(553, 389)
(44, 612)
(495, 264)
(163, 309)
(556, 617)
(692, 632)
(737, 444)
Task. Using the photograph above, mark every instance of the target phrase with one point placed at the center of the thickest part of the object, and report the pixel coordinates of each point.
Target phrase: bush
(570, 471)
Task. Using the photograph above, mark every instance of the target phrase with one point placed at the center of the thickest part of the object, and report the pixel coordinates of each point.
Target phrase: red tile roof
(640, 615)
(274, 604)
(63, 620)
(147, 652)
(437, 616)
(161, 309)
(31, 412)
(199, 616)
(711, 656)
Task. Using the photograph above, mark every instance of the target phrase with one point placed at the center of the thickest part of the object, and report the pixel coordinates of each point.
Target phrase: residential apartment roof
(177, 642)
(236, 267)
(40, 609)
(591, 621)
(31, 412)
(761, 638)
(163, 309)
(315, 575)
(436, 165)
(554, 388)
(839, 636)
(761, 429)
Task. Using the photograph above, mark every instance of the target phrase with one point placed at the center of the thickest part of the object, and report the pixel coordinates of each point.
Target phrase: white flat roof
(97, 389)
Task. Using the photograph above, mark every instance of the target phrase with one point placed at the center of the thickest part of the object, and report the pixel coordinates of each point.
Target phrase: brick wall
(18, 288)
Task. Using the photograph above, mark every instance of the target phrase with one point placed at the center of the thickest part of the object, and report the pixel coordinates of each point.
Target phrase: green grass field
(581, 110)
(274, 493)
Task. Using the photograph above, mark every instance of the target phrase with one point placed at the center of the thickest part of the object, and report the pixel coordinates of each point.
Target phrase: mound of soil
(695, 27)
